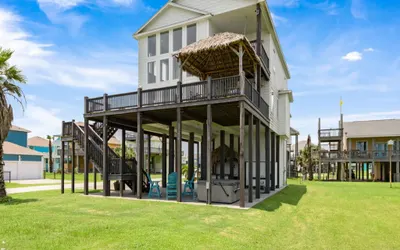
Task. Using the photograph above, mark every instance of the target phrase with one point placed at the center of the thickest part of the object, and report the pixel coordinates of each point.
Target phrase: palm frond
(5, 55)
(14, 74)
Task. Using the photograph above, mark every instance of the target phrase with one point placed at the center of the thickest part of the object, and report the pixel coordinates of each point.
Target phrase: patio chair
(188, 188)
(154, 188)
(171, 186)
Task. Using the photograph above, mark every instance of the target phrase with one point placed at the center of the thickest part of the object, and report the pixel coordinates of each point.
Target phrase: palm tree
(308, 159)
(50, 154)
(10, 76)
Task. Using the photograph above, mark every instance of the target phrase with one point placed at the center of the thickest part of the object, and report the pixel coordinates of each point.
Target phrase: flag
(341, 102)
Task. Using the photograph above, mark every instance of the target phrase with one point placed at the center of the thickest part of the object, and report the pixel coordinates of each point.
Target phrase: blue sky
(74, 48)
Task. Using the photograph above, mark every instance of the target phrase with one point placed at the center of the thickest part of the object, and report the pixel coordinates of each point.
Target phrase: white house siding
(216, 6)
(171, 15)
(24, 170)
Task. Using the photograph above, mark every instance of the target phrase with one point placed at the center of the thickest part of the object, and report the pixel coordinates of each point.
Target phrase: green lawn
(317, 215)
(17, 185)
(79, 177)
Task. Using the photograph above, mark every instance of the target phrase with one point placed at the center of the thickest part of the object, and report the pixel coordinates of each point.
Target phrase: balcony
(327, 135)
(357, 155)
(220, 88)
(263, 56)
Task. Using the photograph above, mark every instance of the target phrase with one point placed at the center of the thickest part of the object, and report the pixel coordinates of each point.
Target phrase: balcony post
(139, 154)
(258, 155)
(139, 96)
(179, 153)
(231, 155)
(106, 182)
(164, 161)
(191, 156)
(148, 153)
(209, 182)
(86, 158)
(209, 88)
(250, 156)
(171, 147)
(242, 172)
(105, 102)
(242, 88)
(267, 159)
(204, 153)
(258, 48)
(86, 105)
(222, 155)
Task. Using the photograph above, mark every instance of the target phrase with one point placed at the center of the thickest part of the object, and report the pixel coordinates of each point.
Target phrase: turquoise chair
(171, 186)
(154, 187)
(188, 188)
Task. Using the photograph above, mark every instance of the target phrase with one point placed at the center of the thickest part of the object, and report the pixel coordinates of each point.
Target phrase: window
(361, 145)
(191, 34)
(151, 72)
(164, 70)
(164, 42)
(177, 34)
(151, 46)
(175, 68)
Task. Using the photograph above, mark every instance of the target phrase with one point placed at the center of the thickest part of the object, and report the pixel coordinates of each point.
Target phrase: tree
(10, 76)
(308, 159)
(129, 153)
(50, 154)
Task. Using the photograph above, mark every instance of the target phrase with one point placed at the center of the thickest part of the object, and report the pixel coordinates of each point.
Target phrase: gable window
(164, 42)
(151, 46)
(177, 36)
(164, 70)
(191, 36)
(151, 72)
(175, 68)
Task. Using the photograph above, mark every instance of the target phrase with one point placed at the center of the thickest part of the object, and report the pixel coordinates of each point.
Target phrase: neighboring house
(114, 143)
(21, 161)
(208, 70)
(41, 144)
(366, 148)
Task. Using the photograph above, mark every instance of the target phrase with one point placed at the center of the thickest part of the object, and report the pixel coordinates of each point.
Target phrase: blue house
(21, 162)
(41, 144)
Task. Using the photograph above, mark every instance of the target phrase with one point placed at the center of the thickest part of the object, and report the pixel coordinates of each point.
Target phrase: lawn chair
(171, 186)
(188, 188)
(154, 188)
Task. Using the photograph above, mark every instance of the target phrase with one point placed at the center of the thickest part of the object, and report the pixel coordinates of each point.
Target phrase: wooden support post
(171, 149)
(231, 155)
(106, 185)
(222, 155)
(273, 161)
(94, 177)
(250, 156)
(204, 153)
(179, 154)
(123, 162)
(164, 161)
(278, 160)
(139, 156)
(148, 154)
(267, 159)
(242, 172)
(73, 165)
(198, 159)
(121, 181)
(296, 153)
(349, 168)
(209, 182)
(86, 161)
(191, 156)
(258, 156)
(62, 166)
(362, 170)
(242, 88)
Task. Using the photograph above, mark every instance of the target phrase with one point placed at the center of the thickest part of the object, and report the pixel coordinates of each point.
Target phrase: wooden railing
(263, 55)
(328, 133)
(220, 88)
(361, 155)
(67, 128)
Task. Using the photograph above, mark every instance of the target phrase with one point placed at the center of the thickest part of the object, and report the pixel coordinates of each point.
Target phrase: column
(242, 173)
(231, 155)
(139, 156)
(106, 182)
(171, 149)
(397, 172)
(86, 158)
(204, 153)
(222, 155)
(250, 156)
(123, 162)
(258, 155)
(179, 154)
(273, 161)
(191, 156)
(349, 150)
(164, 161)
(73, 165)
(278, 161)
(209, 152)
(267, 159)
(296, 153)
(62, 166)
(148, 154)
(362, 170)
(198, 158)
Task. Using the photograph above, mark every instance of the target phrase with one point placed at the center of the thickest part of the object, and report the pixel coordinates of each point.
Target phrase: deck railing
(327, 133)
(357, 155)
(263, 56)
(220, 88)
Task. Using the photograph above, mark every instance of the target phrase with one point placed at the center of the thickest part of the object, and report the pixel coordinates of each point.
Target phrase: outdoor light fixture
(390, 145)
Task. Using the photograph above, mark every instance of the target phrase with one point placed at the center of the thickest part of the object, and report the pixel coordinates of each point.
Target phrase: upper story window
(191, 34)
(164, 70)
(175, 68)
(151, 72)
(177, 36)
(164, 42)
(151, 46)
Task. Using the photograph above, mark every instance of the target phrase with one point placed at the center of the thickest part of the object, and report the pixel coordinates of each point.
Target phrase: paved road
(48, 187)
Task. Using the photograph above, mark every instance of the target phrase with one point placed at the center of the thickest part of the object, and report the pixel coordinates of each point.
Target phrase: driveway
(48, 187)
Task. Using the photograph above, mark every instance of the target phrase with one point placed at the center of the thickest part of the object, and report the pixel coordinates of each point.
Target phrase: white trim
(172, 26)
(136, 34)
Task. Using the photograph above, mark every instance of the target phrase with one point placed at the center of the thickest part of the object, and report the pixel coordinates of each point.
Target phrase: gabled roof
(16, 128)
(373, 128)
(38, 141)
(14, 149)
(168, 4)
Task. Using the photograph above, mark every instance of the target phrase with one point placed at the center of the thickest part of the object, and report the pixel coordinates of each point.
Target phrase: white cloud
(278, 19)
(284, 3)
(42, 64)
(352, 56)
(369, 50)
(358, 9)
(330, 8)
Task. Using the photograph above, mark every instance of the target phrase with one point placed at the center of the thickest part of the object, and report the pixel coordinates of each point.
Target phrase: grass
(17, 185)
(79, 177)
(316, 215)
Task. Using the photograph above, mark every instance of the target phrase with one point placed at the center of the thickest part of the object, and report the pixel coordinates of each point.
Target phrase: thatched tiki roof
(216, 56)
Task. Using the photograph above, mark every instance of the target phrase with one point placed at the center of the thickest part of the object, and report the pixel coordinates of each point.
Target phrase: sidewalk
(49, 187)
